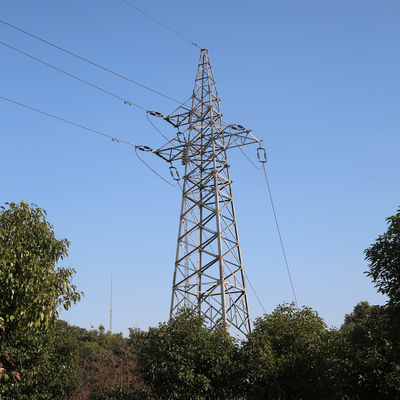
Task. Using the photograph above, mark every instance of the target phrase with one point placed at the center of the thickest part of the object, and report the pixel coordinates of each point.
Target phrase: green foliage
(286, 355)
(31, 287)
(290, 355)
(48, 363)
(183, 359)
(31, 291)
(367, 358)
(117, 392)
(384, 261)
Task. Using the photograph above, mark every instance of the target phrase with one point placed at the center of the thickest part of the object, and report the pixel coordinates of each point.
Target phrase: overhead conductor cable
(90, 62)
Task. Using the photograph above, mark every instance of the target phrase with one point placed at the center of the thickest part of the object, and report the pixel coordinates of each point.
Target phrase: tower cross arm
(236, 136)
(228, 137)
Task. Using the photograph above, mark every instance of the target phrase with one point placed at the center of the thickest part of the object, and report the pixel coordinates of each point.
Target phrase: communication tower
(111, 306)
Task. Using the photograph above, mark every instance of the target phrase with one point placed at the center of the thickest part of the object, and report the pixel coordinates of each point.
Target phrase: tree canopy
(184, 359)
(32, 288)
(290, 355)
(285, 355)
(367, 355)
(384, 261)
(45, 365)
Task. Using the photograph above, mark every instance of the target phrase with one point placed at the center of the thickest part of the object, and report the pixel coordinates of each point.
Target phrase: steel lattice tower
(208, 272)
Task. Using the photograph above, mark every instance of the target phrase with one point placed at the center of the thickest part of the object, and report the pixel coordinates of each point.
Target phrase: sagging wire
(154, 113)
(75, 77)
(251, 162)
(113, 138)
(151, 169)
(279, 233)
(69, 122)
(262, 158)
(248, 280)
(157, 115)
(262, 161)
(258, 153)
(88, 61)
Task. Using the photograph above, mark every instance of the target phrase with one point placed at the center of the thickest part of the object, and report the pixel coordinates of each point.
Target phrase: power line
(73, 76)
(114, 139)
(280, 237)
(248, 280)
(147, 114)
(127, 102)
(90, 62)
(151, 169)
(158, 22)
(251, 162)
(276, 219)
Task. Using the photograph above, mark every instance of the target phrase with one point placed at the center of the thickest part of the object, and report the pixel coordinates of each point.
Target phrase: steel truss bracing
(208, 272)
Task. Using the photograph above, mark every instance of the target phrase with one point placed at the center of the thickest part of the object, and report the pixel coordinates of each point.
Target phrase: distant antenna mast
(111, 306)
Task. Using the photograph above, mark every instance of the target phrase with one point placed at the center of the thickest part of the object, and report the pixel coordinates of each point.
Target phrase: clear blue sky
(317, 81)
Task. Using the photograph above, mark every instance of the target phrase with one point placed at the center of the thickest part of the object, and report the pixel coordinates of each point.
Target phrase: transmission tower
(208, 274)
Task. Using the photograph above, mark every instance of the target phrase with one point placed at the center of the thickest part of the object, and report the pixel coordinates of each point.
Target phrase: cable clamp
(262, 155)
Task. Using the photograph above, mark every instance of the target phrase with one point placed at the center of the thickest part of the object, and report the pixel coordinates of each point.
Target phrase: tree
(384, 261)
(285, 355)
(367, 359)
(32, 289)
(107, 364)
(117, 392)
(49, 363)
(184, 359)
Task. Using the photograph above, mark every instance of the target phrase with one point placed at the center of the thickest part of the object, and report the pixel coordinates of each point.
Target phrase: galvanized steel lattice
(208, 272)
